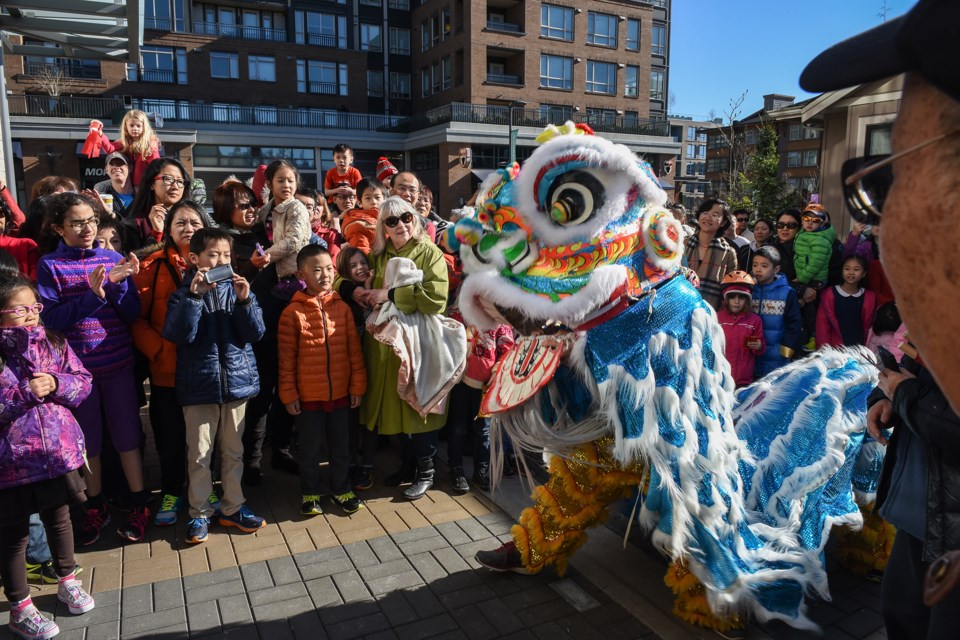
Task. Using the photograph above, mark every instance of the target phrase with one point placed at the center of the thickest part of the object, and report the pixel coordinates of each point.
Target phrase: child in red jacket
(742, 328)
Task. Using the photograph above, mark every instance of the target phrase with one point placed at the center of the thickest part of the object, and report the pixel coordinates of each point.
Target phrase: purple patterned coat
(39, 438)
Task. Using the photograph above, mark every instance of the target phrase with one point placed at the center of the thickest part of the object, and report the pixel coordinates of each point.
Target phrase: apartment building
(689, 174)
(438, 86)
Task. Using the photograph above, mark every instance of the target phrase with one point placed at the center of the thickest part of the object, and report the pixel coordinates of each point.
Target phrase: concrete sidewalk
(396, 569)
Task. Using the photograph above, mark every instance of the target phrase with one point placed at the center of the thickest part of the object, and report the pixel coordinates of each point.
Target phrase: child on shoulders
(359, 226)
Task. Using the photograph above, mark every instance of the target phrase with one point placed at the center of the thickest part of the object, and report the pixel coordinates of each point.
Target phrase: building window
(633, 35)
(400, 85)
(602, 117)
(262, 68)
(656, 85)
(224, 65)
(556, 22)
(556, 113)
(324, 78)
(793, 158)
(370, 37)
(632, 84)
(658, 40)
(701, 151)
(70, 67)
(425, 35)
(556, 72)
(425, 82)
(321, 29)
(160, 64)
(750, 136)
(372, 3)
(601, 77)
(164, 15)
(425, 159)
(602, 29)
(810, 158)
(399, 4)
(375, 83)
(691, 133)
(878, 139)
(400, 41)
(446, 71)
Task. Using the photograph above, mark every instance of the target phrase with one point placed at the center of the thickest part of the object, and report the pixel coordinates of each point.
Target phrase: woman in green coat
(400, 232)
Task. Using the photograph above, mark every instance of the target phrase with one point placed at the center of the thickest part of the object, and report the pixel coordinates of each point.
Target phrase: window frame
(593, 66)
(261, 60)
(566, 77)
(547, 29)
(598, 39)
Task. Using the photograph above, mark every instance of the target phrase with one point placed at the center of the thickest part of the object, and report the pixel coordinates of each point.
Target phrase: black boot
(423, 482)
(406, 473)
(459, 480)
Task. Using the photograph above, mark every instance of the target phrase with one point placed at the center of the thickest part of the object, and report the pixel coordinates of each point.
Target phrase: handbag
(942, 576)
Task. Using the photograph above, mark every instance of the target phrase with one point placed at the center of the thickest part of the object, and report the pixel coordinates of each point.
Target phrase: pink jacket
(737, 329)
(484, 348)
(828, 328)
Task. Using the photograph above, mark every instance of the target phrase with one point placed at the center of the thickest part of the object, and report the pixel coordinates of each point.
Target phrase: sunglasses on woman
(867, 180)
(392, 221)
(787, 225)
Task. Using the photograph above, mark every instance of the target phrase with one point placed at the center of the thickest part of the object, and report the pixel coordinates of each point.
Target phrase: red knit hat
(742, 289)
(385, 169)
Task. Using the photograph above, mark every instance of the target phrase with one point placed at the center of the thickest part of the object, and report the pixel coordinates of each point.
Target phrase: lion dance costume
(619, 376)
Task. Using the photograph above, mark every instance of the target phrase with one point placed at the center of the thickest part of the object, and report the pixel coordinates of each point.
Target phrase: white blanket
(432, 348)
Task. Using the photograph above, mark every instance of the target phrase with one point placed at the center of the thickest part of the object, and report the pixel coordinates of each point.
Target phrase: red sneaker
(136, 525)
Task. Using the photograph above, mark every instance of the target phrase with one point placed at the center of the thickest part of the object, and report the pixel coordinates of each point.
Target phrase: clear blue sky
(719, 49)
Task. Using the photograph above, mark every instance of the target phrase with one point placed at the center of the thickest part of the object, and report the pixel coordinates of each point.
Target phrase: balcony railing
(246, 115)
(505, 27)
(323, 88)
(239, 31)
(163, 24)
(500, 115)
(63, 107)
(69, 70)
(503, 78)
(322, 40)
(157, 75)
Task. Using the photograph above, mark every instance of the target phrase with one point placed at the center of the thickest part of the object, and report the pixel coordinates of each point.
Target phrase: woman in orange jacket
(160, 275)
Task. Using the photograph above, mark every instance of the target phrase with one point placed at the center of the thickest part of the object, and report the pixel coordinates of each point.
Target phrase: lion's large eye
(574, 197)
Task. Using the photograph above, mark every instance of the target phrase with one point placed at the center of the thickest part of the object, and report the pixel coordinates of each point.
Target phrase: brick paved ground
(394, 570)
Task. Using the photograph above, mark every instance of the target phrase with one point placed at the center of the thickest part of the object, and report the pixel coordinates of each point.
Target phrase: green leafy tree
(767, 191)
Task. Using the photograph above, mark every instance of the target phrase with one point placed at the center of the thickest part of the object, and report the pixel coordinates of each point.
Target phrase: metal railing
(321, 40)
(500, 115)
(69, 70)
(157, 75)
(323, 88)
(63, 107)
(281, 117)
(503, 78)
(239, 31)
(505, 27)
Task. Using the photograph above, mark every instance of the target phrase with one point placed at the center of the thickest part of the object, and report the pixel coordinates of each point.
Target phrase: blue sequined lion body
(575, 250)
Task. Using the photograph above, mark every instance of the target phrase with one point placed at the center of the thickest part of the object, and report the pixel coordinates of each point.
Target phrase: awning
(666, 186)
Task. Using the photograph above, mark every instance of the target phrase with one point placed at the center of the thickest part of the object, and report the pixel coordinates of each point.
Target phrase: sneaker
(363, 481)
(214, 503)
(481, 478)
(45, 572)
(310, 506)
(460, 484)
(243, 519)
(197, 530)
(72, 594)
(349, 502)
(169, 508)
(133, 529)
(30, 623)
(504, 558)
(93, 523)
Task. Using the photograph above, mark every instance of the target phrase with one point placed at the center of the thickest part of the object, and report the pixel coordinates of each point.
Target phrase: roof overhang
(97, 29)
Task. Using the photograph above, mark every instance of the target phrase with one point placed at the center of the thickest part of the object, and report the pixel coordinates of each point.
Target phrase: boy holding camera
(213, 319)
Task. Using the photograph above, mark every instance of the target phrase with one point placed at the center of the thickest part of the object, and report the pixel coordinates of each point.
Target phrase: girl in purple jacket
(85, 294)
(41, 447)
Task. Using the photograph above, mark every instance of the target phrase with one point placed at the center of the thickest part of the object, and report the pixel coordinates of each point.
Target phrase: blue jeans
(38, 551)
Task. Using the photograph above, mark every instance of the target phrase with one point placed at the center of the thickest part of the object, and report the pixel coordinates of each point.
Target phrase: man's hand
(293, 408)
(354, 401)
(890, 380)
(878, 419)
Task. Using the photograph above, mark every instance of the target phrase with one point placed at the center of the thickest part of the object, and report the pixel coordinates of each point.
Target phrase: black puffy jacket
(922, 408)
(213, 334)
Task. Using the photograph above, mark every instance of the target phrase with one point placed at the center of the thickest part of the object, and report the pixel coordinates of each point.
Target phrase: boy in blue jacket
(775, 301)
(213, 326)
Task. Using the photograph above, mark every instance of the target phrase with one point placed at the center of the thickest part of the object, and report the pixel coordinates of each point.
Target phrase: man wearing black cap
(920, 485)
(119, 185)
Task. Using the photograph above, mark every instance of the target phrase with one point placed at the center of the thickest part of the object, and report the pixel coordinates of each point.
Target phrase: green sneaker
(169, 508)
(349, 502)
(310, 506)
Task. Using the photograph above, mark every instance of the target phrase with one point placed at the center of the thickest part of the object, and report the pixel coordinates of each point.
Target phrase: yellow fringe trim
(691, 604)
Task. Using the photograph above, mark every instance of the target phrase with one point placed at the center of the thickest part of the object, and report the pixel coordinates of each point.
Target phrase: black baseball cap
(925, 40)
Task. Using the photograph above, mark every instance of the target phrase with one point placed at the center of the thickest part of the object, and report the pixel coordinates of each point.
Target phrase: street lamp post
(514, 132)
